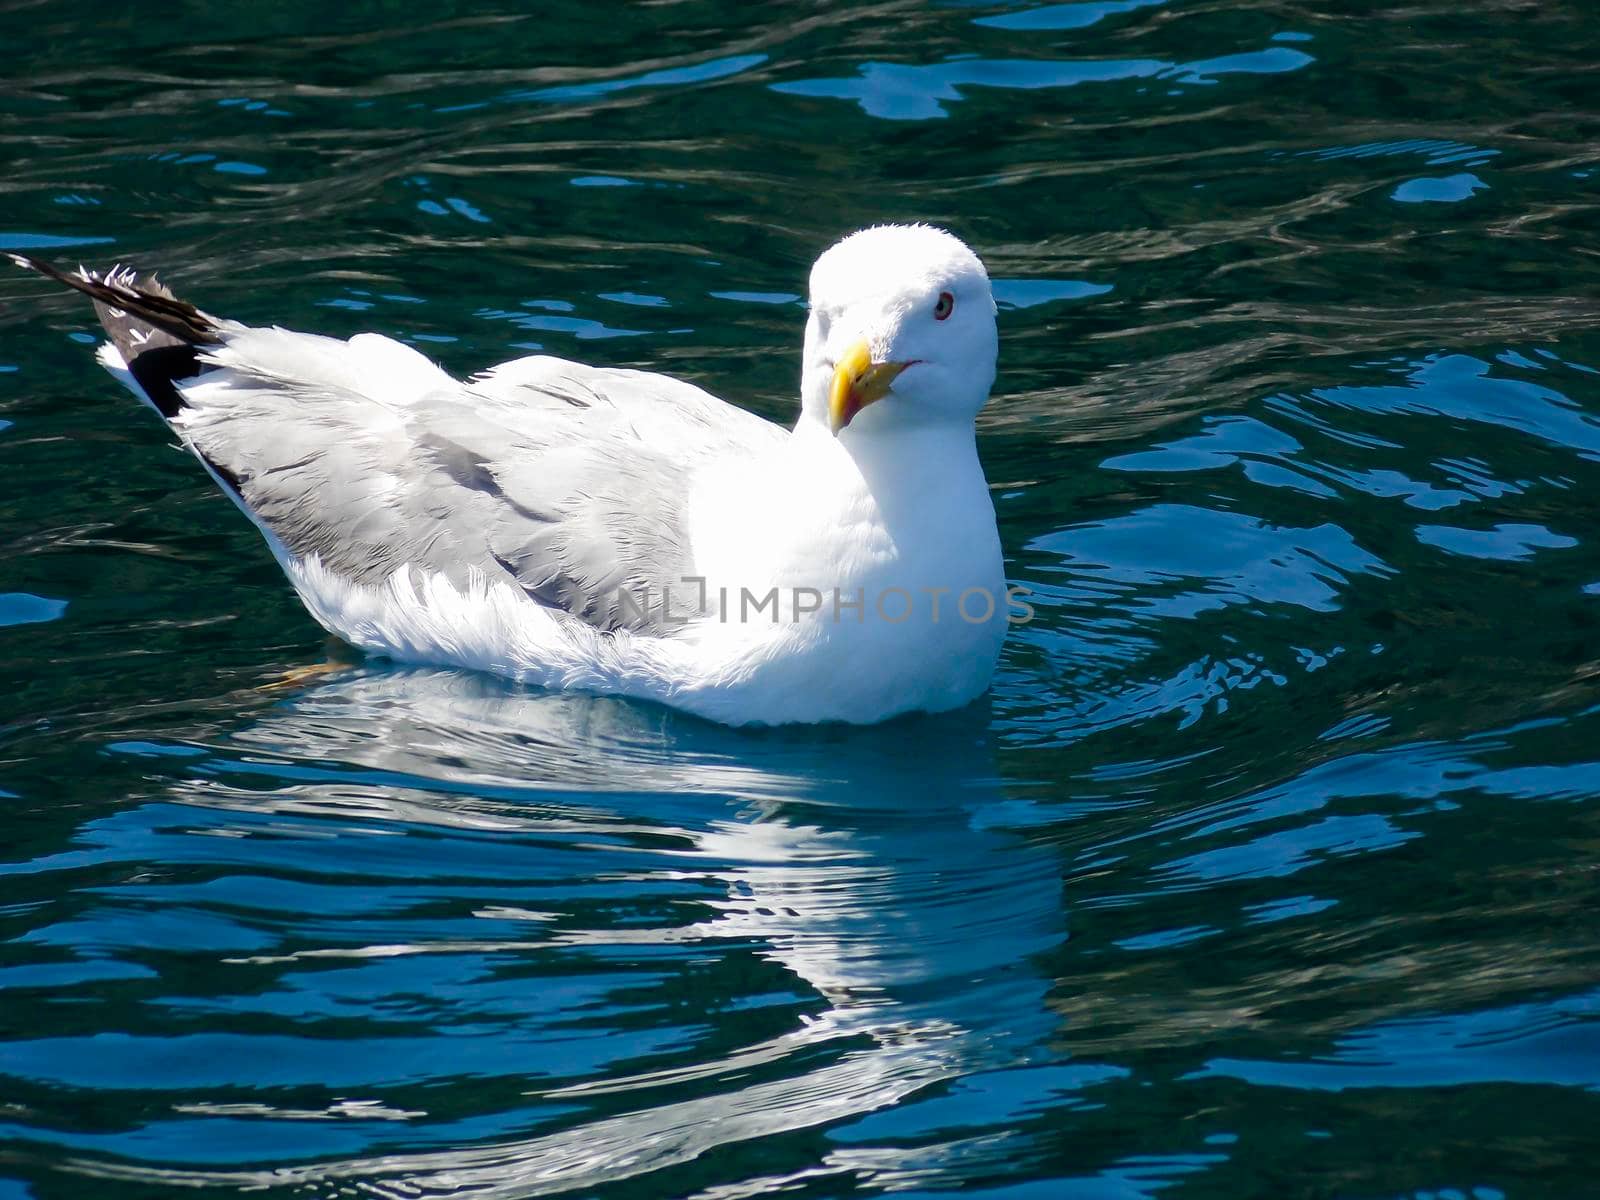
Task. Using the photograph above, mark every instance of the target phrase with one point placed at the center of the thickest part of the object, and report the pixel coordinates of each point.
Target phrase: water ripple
(1270, 858)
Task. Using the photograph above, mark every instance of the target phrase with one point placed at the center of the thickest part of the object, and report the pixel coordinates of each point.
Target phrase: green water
(1269, 867)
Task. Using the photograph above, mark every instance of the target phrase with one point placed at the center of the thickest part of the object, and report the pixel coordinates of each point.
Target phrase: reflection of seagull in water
(870, 871)
(544, 519)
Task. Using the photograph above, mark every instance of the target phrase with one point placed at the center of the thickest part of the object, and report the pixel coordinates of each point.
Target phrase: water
(1267, 869)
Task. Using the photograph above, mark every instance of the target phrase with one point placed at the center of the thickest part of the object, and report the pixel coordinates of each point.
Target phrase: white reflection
(871, 864)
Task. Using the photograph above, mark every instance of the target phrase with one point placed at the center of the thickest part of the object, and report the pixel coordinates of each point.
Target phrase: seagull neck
(883, 454)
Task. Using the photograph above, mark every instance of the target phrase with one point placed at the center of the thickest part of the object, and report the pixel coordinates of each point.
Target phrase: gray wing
(569, 481)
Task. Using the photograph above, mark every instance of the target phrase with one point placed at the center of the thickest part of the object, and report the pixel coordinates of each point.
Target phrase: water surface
(1268, 869)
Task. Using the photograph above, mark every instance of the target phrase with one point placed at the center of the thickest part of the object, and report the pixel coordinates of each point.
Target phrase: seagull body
(617, 531)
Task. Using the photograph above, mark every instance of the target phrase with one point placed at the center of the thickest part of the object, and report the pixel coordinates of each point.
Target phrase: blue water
(1268, 868)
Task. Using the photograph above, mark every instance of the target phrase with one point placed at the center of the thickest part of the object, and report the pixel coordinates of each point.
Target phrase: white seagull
(616, 531)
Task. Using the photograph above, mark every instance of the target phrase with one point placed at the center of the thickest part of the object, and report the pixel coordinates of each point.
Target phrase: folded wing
(570, 482)
(567, 481)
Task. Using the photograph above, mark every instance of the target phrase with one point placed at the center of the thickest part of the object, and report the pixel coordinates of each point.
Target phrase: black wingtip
(156, 334)
(122, 291)
(39, 267)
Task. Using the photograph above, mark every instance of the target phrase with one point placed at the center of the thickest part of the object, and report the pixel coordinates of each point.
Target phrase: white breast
(907, 588)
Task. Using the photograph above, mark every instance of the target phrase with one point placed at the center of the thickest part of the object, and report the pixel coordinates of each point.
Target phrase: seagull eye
(945, 305)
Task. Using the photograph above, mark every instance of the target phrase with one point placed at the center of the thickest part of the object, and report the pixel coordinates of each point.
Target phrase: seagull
(618, 531)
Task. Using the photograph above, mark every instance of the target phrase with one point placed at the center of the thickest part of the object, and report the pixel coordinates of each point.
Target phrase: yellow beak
(858, 382)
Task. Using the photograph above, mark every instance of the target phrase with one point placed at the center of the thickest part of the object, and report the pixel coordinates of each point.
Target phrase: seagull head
(901, 333)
